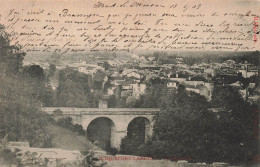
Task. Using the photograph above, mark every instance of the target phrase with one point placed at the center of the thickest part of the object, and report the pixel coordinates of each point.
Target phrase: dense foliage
(21, 92)
(73, 89)
(67, 123)
(186, 128)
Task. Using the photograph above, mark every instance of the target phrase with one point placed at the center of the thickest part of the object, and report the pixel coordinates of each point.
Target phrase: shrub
(67, 123)
(129, 145)
(112, 151)
(78, 129)
(7, 156)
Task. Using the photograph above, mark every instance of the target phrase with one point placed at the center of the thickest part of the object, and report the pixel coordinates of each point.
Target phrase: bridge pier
(148, 129)
(117, 140)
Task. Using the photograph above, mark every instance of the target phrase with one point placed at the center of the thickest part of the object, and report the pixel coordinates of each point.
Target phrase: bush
(112, 151)
(78, 129)
(129, 145)
(7, 156)
(67, 123)
(155, 149)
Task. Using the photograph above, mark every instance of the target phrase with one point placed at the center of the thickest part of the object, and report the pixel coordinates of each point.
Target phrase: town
(131, 74)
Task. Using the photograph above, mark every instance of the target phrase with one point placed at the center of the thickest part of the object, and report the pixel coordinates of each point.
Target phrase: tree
(20, 115)
(153, 96)
(52, 69)
(65, 122)
(235, 124)
(184, 124)
(186, 127)
(73, 89)
(11, 57)
(131, 101)
(129, 146)
(78, 129)
(35, 79)
(48, 95)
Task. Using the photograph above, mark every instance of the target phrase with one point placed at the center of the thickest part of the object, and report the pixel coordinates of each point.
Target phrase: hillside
(68, 140)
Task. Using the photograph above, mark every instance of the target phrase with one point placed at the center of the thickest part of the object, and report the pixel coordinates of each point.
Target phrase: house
(252, 73)
(144, 60)
(182, 66)
(253, 99)
(150, 76)
(151, 58)
(194, 83)
(149, 67)
(179, 60)
(180, 80)
(229, 63)
(176, 75)
(237, 84)
(210, 71)
(200, 89)
(86, 68)
(111, 90)
(126, 71)
(172, 84)
(134, 74)
(127, 88)
(251, 85)
(248, 74)
(192, 89)
(134, 56)
(115, 63)
(82, 69)
(118, 81)
(125, 84)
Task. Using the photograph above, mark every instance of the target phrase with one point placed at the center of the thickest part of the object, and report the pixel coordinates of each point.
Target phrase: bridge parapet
(102, 111)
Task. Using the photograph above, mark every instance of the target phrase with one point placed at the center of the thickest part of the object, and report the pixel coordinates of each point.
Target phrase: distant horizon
(169, 53)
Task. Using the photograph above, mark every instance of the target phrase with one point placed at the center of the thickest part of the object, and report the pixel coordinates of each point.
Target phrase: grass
(68, 140)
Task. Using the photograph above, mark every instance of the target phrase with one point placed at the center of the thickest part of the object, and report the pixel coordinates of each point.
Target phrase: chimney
(102, 104)
(118, 93)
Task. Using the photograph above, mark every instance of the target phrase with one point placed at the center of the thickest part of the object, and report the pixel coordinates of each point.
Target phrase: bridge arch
(139, 128)
(102, 131)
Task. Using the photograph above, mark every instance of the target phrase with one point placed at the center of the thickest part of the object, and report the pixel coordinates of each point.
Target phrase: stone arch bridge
(118, 118)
